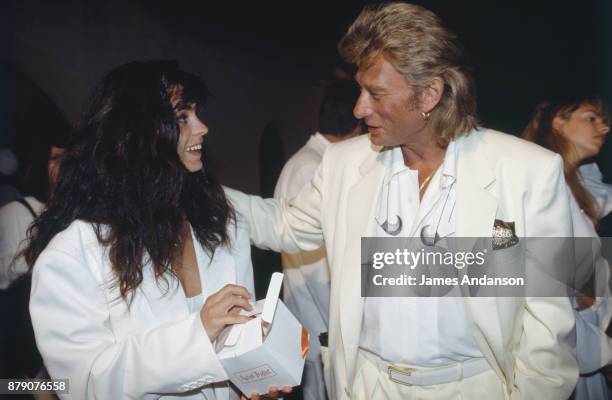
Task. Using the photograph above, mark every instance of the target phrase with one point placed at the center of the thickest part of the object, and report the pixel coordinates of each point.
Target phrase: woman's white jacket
(86, 332)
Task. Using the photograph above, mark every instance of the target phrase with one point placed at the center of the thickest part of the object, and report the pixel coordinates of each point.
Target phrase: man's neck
(426, 159)
(424, 156)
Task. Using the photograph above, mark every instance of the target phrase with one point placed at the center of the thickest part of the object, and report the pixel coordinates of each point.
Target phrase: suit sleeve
(291, 181)
(242, 255)
(546, 366)
(70, 315)
(280, 225)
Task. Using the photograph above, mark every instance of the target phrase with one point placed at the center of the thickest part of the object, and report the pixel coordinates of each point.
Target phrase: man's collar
(395, 164)
(449, 166)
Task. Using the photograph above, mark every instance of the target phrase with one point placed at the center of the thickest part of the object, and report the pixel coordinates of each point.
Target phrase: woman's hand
(273, 393)
(223, 308)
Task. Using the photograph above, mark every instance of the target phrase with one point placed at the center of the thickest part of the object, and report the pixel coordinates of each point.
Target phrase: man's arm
(283, 226)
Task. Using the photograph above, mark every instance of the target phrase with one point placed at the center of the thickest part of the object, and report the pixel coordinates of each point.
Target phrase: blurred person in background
(40, 132)
(36, 178)
(576, 127)
(8, 168)
(35, 131)
(306, 282)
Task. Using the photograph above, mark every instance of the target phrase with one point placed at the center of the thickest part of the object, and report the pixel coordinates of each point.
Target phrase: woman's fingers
(234, 310)
(232, 301)
(273, 393)
(223, 308)
(235, 319)
(235, 290)
(229, 296)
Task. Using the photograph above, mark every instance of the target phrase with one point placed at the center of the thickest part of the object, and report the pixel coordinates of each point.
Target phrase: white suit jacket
(85, 331)
(529, 342)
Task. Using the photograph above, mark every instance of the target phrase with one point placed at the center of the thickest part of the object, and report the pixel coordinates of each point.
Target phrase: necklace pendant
(392, 229)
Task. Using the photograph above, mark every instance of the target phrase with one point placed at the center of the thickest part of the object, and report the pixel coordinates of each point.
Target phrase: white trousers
(373, 384)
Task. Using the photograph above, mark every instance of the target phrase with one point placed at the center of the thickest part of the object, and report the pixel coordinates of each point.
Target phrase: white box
(254, 362)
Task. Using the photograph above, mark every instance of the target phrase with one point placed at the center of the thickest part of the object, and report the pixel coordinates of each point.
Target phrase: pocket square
(504, 235)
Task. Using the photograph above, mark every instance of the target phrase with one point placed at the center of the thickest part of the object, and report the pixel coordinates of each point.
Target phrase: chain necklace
(422, 185)
(426, 181)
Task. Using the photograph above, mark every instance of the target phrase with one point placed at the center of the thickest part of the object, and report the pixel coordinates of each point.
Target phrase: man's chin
(377, 139)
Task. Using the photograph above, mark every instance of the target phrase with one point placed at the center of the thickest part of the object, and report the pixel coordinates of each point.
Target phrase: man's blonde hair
(416, 43)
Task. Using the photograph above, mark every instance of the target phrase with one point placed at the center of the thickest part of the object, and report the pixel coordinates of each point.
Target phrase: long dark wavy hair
(121, 173)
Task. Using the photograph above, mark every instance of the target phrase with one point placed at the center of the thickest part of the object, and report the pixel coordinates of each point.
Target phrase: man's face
(387, 103)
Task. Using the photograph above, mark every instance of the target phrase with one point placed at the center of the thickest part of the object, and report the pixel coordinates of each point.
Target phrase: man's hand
(223, 308)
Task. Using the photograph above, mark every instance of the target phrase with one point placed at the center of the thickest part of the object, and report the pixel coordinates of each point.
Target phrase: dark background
(267, 63)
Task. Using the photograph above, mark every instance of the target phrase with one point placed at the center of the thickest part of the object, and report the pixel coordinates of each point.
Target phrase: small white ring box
(267, 351)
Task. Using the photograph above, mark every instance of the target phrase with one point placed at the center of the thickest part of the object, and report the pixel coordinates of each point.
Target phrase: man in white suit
(306, 282)
(426, 170)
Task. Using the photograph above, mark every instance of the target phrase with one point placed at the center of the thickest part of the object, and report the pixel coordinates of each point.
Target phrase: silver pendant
(392, 229)
(427, 238)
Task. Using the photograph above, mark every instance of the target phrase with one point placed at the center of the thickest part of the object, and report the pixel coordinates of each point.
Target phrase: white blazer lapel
(223, 267)
(476, 205)
(166, 300)
(476, 211)
(360, 217)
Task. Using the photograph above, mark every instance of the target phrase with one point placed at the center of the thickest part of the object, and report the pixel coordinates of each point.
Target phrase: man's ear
(431, 95)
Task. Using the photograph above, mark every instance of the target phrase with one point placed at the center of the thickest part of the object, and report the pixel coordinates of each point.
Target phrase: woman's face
(190, 140)
(585, 128)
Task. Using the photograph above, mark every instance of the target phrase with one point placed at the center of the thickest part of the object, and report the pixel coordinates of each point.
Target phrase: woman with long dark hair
(139, 261)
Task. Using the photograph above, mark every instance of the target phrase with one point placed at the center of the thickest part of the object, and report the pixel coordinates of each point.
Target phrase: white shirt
(592, 179)
(15, 219)
(424, 331)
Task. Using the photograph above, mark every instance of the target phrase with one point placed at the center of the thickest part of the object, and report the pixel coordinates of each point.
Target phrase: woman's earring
(425, 115)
